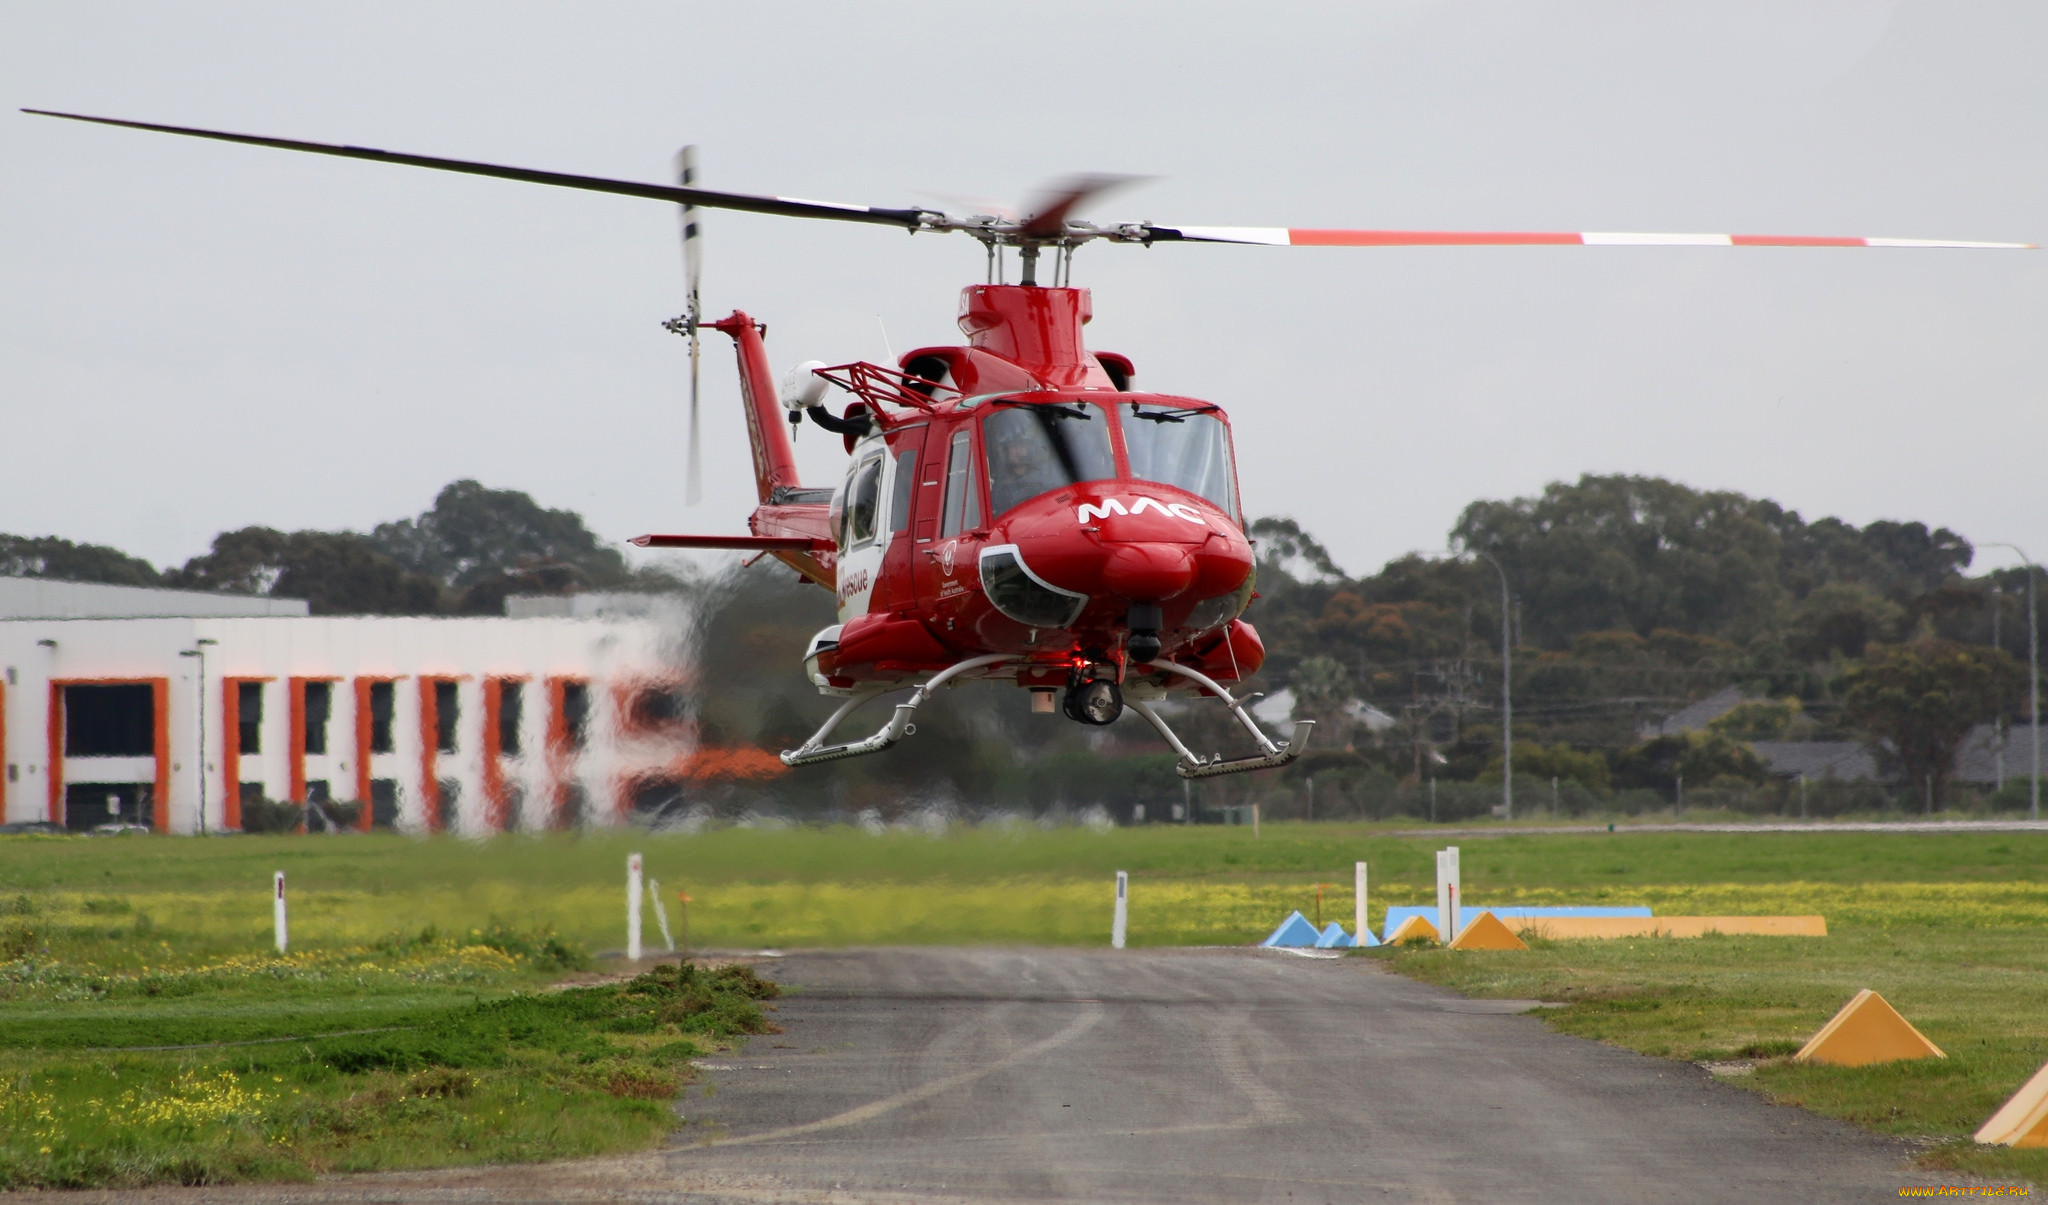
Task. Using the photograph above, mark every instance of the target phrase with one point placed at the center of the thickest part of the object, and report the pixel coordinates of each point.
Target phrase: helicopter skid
(814, 751)
(1194, 765)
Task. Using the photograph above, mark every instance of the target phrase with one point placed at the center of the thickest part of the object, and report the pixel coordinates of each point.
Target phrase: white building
(128, 705)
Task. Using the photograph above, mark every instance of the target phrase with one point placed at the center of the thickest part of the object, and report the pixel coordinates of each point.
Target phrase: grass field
(139, 942)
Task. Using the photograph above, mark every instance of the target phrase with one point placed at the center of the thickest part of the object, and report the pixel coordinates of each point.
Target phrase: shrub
(443, 1082)
(18, 942)
(271, 816)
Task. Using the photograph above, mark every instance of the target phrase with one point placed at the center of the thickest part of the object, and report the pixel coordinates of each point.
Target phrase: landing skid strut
(815, 750)
(1192, 765)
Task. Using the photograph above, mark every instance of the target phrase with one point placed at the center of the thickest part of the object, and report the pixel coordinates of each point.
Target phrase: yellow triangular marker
(2023, 1120)
(1867, 1030)
(1488, 933)
(1411, 929)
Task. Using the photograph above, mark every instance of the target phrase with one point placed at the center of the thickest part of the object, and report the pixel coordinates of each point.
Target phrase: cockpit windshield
(1184, 447)
(1040, 446)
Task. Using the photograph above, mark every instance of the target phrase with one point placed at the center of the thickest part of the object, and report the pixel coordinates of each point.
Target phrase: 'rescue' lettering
(854, 584)
(1110, 506)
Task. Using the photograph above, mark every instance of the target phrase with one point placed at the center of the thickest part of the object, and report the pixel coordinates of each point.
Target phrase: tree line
(460, 556)
(1629, 597)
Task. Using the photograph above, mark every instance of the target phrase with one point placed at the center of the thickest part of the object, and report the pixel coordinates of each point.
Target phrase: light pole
(1507, 702)
(200, 652)
(1997, 725)
(2033, 675)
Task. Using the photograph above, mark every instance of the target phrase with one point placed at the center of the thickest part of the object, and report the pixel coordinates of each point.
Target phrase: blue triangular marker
(1335, 938)
(1295, 931)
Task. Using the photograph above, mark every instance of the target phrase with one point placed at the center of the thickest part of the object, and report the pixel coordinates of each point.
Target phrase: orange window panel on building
(504, 711)
(376, 701)
(568, 735)
(234, 740)
(440, 722)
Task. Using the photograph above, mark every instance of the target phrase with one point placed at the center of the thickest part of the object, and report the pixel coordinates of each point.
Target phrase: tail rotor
(693, 272)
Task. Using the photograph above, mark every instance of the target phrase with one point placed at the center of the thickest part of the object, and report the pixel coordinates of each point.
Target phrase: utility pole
(1507, 702)
(1998, 722)
(2033, 675)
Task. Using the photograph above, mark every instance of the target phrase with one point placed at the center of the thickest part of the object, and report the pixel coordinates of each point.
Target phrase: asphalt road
(935, 1075)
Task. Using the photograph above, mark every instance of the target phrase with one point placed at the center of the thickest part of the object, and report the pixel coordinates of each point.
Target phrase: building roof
(46, 598)
(1978, 759)
(1846, 760)
(1696, 716)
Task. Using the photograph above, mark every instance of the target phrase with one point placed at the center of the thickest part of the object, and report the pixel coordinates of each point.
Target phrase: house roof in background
(1846, 760)
(1696, 716)
(1978, 760)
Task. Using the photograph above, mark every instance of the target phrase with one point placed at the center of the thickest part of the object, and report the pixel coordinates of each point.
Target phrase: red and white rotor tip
(1290, 236)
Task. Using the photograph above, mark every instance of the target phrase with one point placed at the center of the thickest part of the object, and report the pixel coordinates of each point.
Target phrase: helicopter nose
(1149, 572)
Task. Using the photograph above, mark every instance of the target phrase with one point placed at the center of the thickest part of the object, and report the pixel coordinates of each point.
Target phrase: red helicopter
(1012, 508)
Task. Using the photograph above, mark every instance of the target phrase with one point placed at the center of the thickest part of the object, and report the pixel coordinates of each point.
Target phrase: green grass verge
(843, 887)
(406, 1054)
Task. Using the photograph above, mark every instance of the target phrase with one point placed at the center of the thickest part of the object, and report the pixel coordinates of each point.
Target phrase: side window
(109, 721)
(899, 495)
(249, 701)
(511, 708)
(863, 500)
(383, 699)
(963, 502)
(319, 704)
(447, 715)
(576, 713)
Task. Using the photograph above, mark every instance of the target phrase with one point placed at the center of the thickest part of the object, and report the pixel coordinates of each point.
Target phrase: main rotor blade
(1051, 220)
(1286, 236)
(789, 207)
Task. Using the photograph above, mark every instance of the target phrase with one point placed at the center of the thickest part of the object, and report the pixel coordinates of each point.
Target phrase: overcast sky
(197, 336)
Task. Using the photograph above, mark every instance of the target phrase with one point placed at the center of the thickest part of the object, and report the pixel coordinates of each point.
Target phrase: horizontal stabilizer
(736, 543)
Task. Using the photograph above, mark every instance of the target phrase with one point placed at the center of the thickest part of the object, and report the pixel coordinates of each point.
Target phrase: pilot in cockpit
(1023, 468)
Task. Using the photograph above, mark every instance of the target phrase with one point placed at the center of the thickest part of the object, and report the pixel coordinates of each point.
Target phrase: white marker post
(1123, 911)
(277, 914)
(660, 913)
(1448, 902)
(1442, 895)
(633, 907)
(1358, 902)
